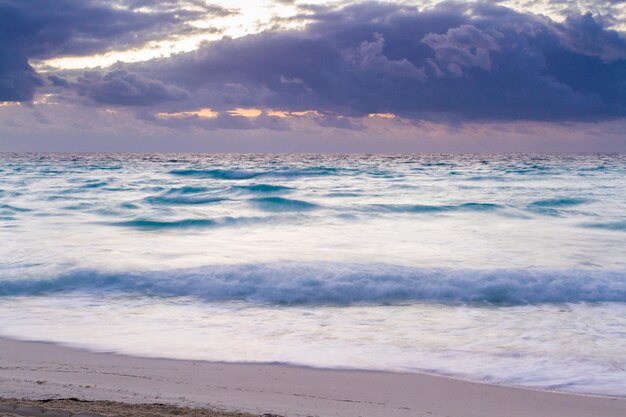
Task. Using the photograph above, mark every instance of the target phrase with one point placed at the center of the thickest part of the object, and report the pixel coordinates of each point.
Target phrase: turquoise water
(502, 268)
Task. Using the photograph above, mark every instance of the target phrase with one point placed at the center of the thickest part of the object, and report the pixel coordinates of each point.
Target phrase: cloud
(369, 57)
(40, 29)
(18, 80)
(453, 62)
(456, 62)
(225, 121)
(119, 87)
(611, 13)
(586, 36)
(462, 47)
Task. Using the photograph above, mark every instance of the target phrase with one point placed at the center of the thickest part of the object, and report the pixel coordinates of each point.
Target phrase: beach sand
(77, 408)
(38, 371)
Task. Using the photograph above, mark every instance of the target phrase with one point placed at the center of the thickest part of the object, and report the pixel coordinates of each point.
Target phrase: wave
(79, 206)
(98, 184)
(617, 226)
(425, 208)
(14, 209)
(263, 188)
(235, 174)
(182, 200)
(343, 195)
(187, 195)
(188, 190)
(148, 224)
(223, 174)
(204, 195)
(283, 204)
(596, 168)
(488, 178)
(339, 284)
(163, 224)
(531, 170)
(559, 202)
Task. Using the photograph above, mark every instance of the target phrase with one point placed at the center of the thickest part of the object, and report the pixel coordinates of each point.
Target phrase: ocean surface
(509, 269)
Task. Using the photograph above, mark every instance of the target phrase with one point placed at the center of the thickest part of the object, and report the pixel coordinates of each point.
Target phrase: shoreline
(289, 365)
(44, 370)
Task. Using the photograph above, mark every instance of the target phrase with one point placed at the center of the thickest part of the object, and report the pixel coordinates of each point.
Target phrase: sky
(312, 76)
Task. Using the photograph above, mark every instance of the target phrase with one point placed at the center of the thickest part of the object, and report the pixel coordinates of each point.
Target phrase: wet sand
(38, 371)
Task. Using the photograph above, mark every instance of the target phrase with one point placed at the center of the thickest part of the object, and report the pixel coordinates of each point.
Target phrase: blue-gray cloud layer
(454, 62)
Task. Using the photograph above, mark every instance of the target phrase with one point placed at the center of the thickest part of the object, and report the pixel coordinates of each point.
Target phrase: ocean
(502, 268)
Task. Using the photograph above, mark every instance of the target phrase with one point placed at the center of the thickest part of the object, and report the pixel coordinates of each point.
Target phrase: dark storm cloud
(454, 62)
(39, 29)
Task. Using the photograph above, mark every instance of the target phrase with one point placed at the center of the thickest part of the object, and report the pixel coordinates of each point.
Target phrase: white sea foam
(571, 347)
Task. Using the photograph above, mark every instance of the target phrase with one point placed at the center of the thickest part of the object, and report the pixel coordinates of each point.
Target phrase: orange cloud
(383, 115)
(277, 113)
(205, 113)
(245, 112)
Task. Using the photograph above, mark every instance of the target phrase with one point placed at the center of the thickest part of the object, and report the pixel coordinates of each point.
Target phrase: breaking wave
(339, 284)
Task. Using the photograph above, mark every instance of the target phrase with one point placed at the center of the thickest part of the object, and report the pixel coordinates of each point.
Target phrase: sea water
(509, 269)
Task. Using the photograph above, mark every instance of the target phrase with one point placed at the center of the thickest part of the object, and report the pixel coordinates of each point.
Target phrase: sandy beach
(37, 371)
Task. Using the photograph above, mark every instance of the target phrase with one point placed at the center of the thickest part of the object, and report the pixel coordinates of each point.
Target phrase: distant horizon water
(503, 268)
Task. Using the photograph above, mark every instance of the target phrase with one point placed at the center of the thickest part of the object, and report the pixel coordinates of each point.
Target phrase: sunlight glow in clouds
(250, 17)
(254, 16)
